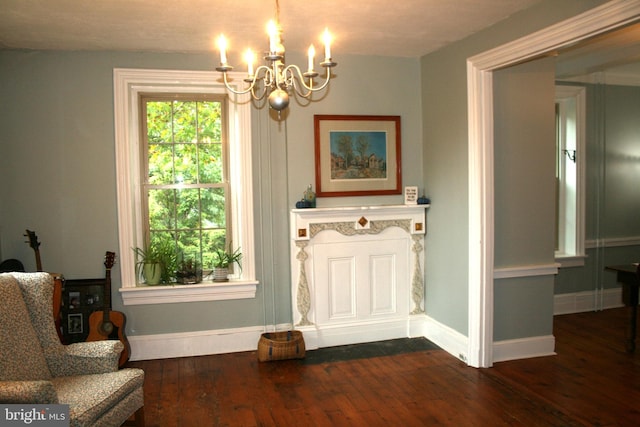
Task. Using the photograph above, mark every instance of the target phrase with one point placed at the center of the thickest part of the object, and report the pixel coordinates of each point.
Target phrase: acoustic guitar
(108, 324)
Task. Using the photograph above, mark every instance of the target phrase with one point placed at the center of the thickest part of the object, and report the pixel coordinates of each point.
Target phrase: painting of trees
(358, 155)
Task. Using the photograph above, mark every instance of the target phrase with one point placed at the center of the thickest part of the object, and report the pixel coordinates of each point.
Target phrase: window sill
(570, 260)
(208, 291)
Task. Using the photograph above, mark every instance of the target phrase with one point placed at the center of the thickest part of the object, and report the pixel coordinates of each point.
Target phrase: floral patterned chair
(36, 368)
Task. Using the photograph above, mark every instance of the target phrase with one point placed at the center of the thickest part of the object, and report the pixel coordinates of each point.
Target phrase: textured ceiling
(406, 28)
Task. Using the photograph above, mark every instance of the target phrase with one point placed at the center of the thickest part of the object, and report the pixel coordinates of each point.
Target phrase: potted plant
(223, 258)
(156, 262)
(189, 272)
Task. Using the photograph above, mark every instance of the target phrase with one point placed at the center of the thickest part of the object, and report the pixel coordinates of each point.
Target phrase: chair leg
(138, 419)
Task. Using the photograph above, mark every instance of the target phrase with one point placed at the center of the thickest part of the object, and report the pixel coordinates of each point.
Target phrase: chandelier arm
(237, 92)
(267, 78)
(293, 72)
(295, 81)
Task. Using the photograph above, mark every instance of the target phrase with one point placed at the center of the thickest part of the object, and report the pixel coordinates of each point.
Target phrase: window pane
(189, 245)
(160, 164)
(210, 121)
(159, 122)
(188, 208)
(184, 121)
(211, 239)
(211, 164)
(213, 208)
(162, 213)
(186, 165)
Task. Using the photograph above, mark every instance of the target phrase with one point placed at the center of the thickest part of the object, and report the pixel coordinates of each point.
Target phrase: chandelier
(275, 79)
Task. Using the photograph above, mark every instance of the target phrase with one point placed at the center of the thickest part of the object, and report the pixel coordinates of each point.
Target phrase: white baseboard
(360, 332)
(197, 343)
(524, 348)
(448, 339)
(579, 302)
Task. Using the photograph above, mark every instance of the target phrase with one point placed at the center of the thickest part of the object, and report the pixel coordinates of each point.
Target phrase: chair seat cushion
(91, 396)
(21, 358)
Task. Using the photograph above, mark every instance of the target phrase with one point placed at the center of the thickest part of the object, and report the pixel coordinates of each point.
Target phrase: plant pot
(152, 273)
(221, 274)
(189, 277)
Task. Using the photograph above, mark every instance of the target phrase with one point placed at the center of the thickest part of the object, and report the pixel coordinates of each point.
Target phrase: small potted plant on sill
(223, 259)
(156, 262)
(189, 272)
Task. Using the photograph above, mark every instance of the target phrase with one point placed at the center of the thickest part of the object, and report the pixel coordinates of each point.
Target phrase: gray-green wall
(524, 174)
(445, 128)
(57, 165)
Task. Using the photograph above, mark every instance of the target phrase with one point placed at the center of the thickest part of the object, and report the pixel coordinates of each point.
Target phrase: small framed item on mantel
(411, 195)
(357, 155)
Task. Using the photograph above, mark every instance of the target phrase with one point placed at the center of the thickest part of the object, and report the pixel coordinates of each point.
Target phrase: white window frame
(571, 186)
(128, 85)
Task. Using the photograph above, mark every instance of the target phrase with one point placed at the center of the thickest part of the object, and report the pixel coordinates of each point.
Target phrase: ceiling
(403, 28)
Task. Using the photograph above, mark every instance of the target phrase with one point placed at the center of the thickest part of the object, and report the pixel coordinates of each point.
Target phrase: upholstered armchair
(36, 368)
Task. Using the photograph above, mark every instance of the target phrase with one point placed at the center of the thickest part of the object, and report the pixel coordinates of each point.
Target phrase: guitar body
(108, 324)
(111, 327)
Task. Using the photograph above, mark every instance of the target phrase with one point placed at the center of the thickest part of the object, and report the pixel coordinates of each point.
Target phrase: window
(187, 190)
(570, 166)
(183, 167)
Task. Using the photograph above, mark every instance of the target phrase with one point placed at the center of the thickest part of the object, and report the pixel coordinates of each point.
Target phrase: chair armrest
(85, 358)
(27, 392)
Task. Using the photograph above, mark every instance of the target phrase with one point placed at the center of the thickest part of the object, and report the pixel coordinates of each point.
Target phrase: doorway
(480, 68)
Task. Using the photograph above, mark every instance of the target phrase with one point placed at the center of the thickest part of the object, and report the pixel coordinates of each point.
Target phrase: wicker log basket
(281, 346)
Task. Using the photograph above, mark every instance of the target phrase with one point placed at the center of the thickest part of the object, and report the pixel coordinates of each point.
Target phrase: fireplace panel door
(361, 281)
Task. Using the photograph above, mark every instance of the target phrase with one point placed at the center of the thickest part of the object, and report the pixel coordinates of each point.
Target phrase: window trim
(128, 85)
(575, 256)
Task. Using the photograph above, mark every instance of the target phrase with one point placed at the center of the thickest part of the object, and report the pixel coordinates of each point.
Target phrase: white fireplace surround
(358, 273)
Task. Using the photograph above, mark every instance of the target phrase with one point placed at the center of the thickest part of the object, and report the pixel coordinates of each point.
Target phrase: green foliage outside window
(187, 190)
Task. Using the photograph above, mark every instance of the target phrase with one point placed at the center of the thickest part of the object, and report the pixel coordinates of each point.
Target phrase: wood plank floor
(592, 381)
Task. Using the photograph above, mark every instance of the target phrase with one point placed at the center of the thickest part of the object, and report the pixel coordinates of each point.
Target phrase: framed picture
(357, 155)
(75, 323)
(74, 299)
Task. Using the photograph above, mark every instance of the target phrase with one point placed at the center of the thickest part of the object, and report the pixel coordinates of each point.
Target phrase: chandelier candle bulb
(326, 37)
(249, 57)
(312, 53)
(222, 45)
(272, 31)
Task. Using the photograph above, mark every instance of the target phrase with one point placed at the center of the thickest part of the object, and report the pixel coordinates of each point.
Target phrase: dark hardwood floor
(592, 381)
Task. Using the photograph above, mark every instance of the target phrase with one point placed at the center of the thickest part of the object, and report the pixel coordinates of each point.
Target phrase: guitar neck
(107, 294)
(38, 260)
(109, 260)
(35, 245)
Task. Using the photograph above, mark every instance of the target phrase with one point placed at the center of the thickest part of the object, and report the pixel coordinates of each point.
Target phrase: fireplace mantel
(357, 272)
(307, 221)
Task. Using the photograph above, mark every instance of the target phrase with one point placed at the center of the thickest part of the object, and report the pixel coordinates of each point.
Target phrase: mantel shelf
(351, 209)
(357, 218)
